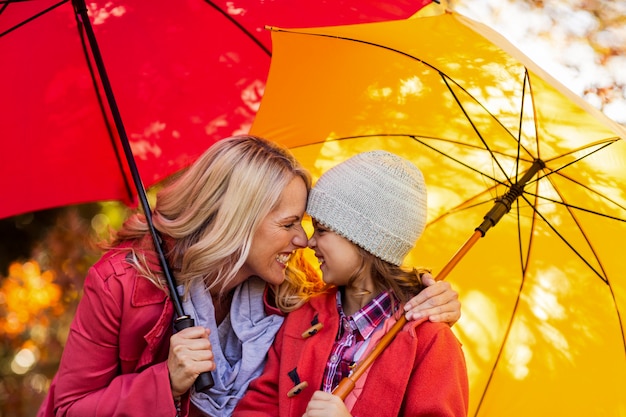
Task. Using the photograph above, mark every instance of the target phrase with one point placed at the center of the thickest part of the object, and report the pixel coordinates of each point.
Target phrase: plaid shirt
(353, 336)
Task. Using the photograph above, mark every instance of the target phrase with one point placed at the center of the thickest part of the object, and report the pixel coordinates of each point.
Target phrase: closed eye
(291, 225)
(321, 229)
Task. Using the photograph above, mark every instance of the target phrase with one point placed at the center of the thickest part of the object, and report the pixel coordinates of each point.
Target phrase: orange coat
(422, 372)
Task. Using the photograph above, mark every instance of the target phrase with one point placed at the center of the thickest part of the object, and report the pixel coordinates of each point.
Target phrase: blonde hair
(302, 281)
(210, 213)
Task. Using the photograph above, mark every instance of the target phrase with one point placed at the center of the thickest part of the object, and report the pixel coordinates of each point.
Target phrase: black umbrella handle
(205, 380)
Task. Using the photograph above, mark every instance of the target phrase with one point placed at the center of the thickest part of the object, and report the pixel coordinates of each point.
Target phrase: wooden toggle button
(297, 389)
(312, 330)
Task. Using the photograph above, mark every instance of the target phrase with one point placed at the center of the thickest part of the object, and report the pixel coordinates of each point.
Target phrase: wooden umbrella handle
(346, 385)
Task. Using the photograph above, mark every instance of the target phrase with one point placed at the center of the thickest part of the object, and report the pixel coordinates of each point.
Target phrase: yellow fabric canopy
(544, 292)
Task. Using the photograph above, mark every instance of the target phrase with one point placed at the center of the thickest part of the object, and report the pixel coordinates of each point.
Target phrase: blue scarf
(240, 343)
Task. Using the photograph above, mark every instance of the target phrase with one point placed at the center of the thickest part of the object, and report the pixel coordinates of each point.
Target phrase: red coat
(114, 361)
(421, 373)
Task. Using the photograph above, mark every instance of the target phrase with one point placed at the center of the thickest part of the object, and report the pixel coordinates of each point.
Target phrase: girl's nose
(312, 243)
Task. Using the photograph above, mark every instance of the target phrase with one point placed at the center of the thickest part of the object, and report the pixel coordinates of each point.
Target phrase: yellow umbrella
(544, 292)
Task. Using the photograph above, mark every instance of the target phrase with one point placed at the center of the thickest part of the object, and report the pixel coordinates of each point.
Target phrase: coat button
(312, 330)
(297, 389)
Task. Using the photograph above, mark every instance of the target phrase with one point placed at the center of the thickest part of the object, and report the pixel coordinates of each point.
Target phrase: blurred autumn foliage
(39, 292)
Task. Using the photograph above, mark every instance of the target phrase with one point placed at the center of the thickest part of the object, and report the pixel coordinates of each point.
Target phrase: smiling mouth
(283, 258)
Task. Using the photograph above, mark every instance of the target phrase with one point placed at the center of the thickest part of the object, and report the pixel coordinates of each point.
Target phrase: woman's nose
(312, 243)
(300, 239)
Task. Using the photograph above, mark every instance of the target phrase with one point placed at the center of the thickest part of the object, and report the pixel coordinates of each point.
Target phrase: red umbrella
(183, 73)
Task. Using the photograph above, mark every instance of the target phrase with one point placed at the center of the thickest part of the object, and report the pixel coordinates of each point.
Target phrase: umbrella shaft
(81, 11)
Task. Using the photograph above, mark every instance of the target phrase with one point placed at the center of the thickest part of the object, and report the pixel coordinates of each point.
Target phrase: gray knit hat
(374, 199)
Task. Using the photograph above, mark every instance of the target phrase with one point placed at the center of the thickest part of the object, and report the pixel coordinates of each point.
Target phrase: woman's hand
(324, 404)
(438, 301)
(190, 354)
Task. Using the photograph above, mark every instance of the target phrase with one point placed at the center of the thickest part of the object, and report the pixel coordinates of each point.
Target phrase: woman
(230, 224)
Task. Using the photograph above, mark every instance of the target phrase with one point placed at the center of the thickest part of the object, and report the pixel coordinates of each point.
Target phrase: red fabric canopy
(183, 75)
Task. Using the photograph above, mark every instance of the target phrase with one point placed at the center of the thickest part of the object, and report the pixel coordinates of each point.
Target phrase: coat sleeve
(421, 373)
(438, 385)
(89, 381)
(261, 398)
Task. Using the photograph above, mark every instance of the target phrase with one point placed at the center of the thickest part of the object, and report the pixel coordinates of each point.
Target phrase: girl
(367, 213)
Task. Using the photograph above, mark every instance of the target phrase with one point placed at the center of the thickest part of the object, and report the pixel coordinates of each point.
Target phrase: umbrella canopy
(184, 74)
(544, 292)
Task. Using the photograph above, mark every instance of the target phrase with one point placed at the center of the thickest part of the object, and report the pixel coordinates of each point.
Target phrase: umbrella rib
(586, 210)
(519, 144)
(521, 119)
(570, 209)
(443, 75)
(591, 190)
(461, 207)
(470, 121)
(411, 135)
(518, 140)
(562, 175)
(101, 105)
(524, 257)
(240, 27)
(416, 138)
(471, 168)
(603, 276)
(523, 265)
(445, 155)
(30, 19)
(604, 143)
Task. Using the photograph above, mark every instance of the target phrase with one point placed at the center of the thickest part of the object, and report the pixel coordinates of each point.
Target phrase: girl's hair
(404, 282)
(208, 215)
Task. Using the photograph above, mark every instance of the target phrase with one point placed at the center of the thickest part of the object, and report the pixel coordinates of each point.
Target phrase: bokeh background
(44, 255)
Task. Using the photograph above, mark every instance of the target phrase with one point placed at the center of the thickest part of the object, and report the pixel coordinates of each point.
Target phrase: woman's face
(339, 258)
(278, 236)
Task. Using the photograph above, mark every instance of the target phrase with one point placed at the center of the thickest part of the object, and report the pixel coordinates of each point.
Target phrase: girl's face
(339, 258)
(278, 236)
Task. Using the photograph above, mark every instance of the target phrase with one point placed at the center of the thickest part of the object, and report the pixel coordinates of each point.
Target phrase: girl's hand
(438, 301)
(190, 354)
(324, 404)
